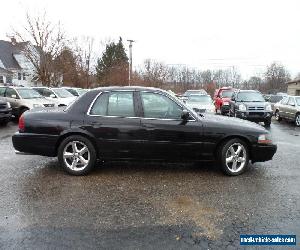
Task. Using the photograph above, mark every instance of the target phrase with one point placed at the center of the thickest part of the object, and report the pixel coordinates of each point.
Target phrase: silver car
(288, 108)
(22, 99)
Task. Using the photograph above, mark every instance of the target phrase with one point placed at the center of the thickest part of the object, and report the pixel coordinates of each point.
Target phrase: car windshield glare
(250, 97)
(62, 93)
(200, 98)
(29, 94)
(226, 94)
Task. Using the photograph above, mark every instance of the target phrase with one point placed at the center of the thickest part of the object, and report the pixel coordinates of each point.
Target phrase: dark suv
(250, 105)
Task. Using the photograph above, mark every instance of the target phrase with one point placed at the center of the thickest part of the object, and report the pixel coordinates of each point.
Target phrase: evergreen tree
(112, 67)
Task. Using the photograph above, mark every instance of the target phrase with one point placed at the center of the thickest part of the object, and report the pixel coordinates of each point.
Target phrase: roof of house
(5, 71)
(7, 50)
(294, 81)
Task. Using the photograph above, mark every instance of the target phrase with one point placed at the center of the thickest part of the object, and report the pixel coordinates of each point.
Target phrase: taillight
(21, 123)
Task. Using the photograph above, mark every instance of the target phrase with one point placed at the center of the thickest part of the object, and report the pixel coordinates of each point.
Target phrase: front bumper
(263, 152)
(36, 144)
(225, 108)
(254, 116)
(5, 114)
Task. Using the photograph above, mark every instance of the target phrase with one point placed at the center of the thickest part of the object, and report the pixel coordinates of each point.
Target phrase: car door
(166, 134)
(291, 109)
(283, 107)
(114, 121)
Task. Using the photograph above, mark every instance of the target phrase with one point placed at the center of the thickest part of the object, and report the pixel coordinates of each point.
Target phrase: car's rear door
(291, 108)
(114, 121)
(166, 135)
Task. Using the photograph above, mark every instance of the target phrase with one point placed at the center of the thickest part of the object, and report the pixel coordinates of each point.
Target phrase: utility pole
(130, 61)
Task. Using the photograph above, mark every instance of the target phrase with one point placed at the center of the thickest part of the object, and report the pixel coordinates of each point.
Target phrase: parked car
(140, 123)
(5, 112)
(22, 99)
(222, 98)
(59, 95)
(250, 105)
(194, 92)
(289, 109)
(75, 91)
(201, 103)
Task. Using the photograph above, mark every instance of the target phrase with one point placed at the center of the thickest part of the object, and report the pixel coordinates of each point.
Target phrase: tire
(297, 120)
(267, 122)
(277, 116)
(70, 158)
(4, 122)
(237, 162)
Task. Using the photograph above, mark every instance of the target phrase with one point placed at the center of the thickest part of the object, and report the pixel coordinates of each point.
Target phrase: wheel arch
(80, 132)
(227, 138)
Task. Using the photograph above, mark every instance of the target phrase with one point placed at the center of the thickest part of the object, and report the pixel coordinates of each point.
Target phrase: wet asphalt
(142, 205)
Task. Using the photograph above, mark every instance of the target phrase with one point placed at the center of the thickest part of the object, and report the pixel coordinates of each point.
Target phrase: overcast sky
(210, 34)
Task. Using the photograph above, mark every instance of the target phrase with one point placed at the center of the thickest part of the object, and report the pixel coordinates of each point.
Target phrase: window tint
(159, 106)
(100, 105)
(2, 91)
(291, 101)
(10, 92)
(120, 104)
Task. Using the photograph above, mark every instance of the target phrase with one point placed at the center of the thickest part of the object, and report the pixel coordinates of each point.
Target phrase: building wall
(293, 88)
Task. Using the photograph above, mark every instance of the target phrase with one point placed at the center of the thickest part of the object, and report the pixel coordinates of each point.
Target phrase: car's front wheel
(234, 157)
(77, 155)
(277, 116)
(297, 120)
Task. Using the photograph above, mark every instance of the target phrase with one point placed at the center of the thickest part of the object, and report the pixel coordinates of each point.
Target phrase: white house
(15, 68)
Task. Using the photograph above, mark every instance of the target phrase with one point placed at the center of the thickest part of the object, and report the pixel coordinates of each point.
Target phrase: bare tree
(42, 42)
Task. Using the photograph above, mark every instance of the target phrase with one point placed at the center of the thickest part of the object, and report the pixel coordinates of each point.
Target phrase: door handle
(149, 127)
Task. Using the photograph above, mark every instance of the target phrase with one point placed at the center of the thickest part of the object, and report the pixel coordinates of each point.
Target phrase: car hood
(225, 99)
(234, 123)
(200, 105)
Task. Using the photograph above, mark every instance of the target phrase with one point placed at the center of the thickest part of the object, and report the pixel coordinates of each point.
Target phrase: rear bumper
(254, 116)
(37, 144)
(261, 153)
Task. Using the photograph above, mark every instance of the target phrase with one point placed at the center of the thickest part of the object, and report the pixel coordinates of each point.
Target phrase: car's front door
(113, 121)
(283, 107)
(291, 108)
(166, 134)
(12, 97)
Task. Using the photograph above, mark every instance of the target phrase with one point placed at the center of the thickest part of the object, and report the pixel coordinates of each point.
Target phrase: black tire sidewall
(88, 143)
(222, 156)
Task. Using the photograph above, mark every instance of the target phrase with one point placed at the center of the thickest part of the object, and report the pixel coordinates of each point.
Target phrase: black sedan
(139, 123)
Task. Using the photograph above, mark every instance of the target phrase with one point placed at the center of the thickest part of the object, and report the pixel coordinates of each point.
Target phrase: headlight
(8, 105)
(264, 139)
(269, 107)
(225, 103)
(242, 107)
(37, 105)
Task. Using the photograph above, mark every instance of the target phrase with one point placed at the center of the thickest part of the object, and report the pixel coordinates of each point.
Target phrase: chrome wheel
(236, 156)
(277, 117)
(297, 121)
(76, 155)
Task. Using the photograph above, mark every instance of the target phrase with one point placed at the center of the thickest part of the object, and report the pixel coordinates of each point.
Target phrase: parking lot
(147, 205)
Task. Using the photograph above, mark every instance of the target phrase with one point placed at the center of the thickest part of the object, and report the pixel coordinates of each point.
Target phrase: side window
(120, 104)
(100, 105)
(10, 92)
(291, 101)
(160, 106)
(2, 91)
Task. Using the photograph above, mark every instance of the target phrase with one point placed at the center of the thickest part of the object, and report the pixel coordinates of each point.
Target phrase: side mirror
(185, 115)
(52, 96)
(14, 96)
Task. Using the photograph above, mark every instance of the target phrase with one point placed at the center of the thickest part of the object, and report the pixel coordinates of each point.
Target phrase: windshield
(250, 97)
(200, 98)
(29, 93)
(81, 91)
(62, 93)
(298, 101)
(226, 93)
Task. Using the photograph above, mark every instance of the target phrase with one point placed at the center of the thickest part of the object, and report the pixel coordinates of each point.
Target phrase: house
(294, 87)
(15, 68)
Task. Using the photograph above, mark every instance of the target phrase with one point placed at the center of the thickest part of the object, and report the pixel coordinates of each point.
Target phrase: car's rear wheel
(277, 116)
(77, 155)
(297, 120)
(234, 157)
